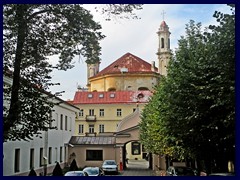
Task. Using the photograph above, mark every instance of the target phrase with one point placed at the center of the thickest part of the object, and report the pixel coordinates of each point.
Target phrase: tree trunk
(13, 115)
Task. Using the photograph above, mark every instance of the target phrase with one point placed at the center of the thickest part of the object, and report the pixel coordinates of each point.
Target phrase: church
(106, 127)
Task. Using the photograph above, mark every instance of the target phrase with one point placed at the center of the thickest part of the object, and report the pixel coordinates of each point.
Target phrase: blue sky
(135, 36)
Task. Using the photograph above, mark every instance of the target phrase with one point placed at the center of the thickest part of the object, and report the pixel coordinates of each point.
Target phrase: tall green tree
(199, 94)
(32, 33)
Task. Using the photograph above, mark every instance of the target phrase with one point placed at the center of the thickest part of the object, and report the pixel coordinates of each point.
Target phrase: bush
(32, 173)
(57, 171)
(73, 166)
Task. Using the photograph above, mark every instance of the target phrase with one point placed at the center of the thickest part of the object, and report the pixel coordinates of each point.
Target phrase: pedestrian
(127, 160)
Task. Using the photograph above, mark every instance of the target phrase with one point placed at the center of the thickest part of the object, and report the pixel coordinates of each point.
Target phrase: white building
(19, 157)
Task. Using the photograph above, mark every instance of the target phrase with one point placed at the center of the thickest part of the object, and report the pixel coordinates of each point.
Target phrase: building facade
(41, 153)
(110, 110)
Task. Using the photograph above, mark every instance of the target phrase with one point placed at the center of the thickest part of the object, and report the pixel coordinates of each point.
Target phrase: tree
(73, 165)
(32, 173)
(57, 171)
(199, 95)
(32, 33)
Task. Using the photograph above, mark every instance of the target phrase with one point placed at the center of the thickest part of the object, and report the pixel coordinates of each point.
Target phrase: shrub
(32, 173)
(73, 166)
(57, 171)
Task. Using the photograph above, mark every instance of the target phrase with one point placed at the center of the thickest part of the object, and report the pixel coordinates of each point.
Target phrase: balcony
(91, 118)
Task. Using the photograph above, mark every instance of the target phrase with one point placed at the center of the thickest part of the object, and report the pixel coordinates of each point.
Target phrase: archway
(128, 145)
(134, 156)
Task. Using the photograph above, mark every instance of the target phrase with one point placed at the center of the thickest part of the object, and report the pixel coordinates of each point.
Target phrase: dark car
(93, 171)
(180, 171)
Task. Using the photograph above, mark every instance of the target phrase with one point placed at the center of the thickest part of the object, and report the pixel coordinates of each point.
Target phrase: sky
(136, 36)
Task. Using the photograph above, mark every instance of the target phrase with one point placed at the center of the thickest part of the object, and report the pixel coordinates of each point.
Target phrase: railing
(91, 118)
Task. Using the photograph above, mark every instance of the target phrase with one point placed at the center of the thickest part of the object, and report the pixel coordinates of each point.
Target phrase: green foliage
(120, 11)
(57, 171)
(192, 111)
(73, 165)
(31, 34)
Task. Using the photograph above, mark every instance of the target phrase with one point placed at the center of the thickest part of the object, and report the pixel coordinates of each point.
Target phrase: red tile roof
(111, 97)
(132, 63)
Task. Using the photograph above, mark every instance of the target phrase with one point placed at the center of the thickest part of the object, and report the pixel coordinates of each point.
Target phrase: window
(56, 120)
(143, 89)
(61, 158)
(90, 95)
(80, 113)
(61, 122)
(162, 42)
(66, 123)
(101, 95)
(41, 157)
(50, 155)
(91, 128)
(70, 124)
(101, 128)
(80, 128)
(17, 160)
(50, 117)
(65, 153)
(136, 148)
(112, 89)
(31, 158)
(119, 112)
(112, 95)
(94, 155)
(56, 154)
(101, 112)
(91, 112)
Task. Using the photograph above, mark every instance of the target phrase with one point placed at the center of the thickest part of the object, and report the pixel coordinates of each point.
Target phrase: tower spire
(162, 13)
(164, 52)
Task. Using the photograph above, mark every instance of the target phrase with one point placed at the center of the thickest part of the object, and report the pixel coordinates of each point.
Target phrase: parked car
(75, 173)
(93, 171)
(180, 171)
(221, 174)
(110, 166)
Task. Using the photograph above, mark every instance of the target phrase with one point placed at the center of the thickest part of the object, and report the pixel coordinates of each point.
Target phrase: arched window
(143, 89)
(111, 89)
(162, 42)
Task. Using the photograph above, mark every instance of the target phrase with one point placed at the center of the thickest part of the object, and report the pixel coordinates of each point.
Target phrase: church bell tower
(164, 52)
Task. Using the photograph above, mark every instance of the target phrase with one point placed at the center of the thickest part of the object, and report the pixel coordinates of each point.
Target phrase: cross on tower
(162, 13)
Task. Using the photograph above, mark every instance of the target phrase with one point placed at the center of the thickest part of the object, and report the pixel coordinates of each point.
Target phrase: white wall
(53, 138)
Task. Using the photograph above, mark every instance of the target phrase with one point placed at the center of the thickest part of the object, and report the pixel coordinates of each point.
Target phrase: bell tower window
(162, 42)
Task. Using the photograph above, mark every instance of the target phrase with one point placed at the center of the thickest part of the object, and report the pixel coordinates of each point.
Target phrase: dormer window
(90, 95)
(140, 96)
(112, 95)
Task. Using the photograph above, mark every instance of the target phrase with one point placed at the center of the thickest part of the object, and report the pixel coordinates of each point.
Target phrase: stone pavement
(137, 168)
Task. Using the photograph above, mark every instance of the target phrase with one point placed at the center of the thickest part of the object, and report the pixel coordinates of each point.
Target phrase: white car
(110, 166)
(75, 173)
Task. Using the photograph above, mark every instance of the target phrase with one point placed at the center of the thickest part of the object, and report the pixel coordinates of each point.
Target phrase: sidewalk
(137, 168)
